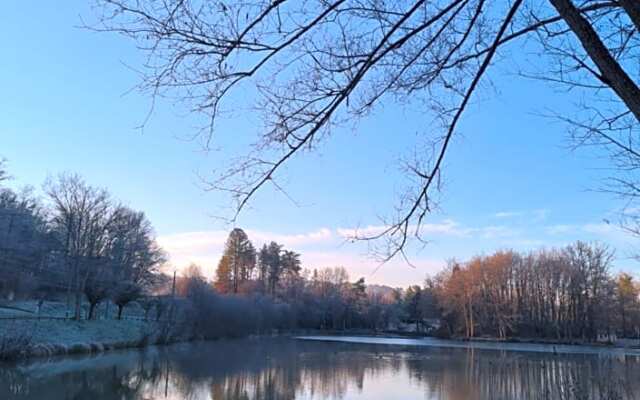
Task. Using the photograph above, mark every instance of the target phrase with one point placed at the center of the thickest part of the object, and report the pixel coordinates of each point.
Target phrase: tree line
(567, 293)
(318, 299)
(79, 241)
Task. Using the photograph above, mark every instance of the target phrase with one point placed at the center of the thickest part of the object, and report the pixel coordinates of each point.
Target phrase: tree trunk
(612, 73)
(120, 308)
(92, 309)
(78, 295)
(471, 323)
(624, 320)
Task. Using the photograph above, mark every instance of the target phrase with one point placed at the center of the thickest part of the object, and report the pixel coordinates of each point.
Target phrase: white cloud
(446, 227)
(205, 247)
(524, 244)
(352, 233)
(197, 241)
(559, 229)
(507, 214)
(493, 232)
(610, 233)
(394, 273)
(318, 236)
(600, 229)
(193, 241)
(537, 214)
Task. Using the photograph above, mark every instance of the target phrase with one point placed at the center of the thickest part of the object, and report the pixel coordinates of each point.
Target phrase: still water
(289, 368)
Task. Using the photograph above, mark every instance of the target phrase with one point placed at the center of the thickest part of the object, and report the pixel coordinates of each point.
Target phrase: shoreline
(631, 343)
(150, 333)
(492, 345)
(26, 339)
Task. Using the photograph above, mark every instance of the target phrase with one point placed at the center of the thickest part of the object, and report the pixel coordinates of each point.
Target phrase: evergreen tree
(290, 275)
(237, 263)
(271, 262)
(290, 261)
(223, 281)
(263, 268)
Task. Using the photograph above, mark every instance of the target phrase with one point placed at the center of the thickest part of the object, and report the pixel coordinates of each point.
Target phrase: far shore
(481, 344)
(624, 343)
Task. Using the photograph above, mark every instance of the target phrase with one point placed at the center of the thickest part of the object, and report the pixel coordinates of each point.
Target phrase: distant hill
(380, 290)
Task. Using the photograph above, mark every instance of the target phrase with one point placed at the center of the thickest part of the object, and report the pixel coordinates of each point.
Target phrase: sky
(511, 178)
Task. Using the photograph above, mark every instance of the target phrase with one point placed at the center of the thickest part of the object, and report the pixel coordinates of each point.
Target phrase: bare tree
(317, 64)
(134, 257)
(98, 282)
(124, 293)
(81, 216)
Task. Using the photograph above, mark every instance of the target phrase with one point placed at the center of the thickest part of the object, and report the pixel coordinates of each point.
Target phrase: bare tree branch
(319, 64)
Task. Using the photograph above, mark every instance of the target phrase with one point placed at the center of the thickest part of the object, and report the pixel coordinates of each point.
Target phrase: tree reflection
(287, 369)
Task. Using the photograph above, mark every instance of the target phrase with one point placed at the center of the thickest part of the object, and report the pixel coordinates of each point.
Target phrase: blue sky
(511, 180)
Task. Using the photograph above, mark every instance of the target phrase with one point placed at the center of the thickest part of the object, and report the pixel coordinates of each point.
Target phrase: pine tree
(270, 266)
(223, 281)
(237, 263)
(263, 268)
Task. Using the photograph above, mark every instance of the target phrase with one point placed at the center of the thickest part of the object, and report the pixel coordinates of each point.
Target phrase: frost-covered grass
(60, 309)
(30, 336)
(49, 336)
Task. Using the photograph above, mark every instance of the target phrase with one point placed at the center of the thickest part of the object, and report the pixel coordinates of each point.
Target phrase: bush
(214, 316)
(14, 346)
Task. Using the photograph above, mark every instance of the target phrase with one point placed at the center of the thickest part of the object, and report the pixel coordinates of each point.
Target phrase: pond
(342, 368)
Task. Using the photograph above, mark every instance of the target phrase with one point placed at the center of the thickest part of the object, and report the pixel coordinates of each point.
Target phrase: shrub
(14, 346)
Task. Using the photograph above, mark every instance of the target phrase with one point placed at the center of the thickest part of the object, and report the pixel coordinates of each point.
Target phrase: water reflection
(286, 369)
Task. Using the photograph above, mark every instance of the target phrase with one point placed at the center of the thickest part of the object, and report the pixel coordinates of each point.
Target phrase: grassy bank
(30, 328)
(26, 333)
(46, 337)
